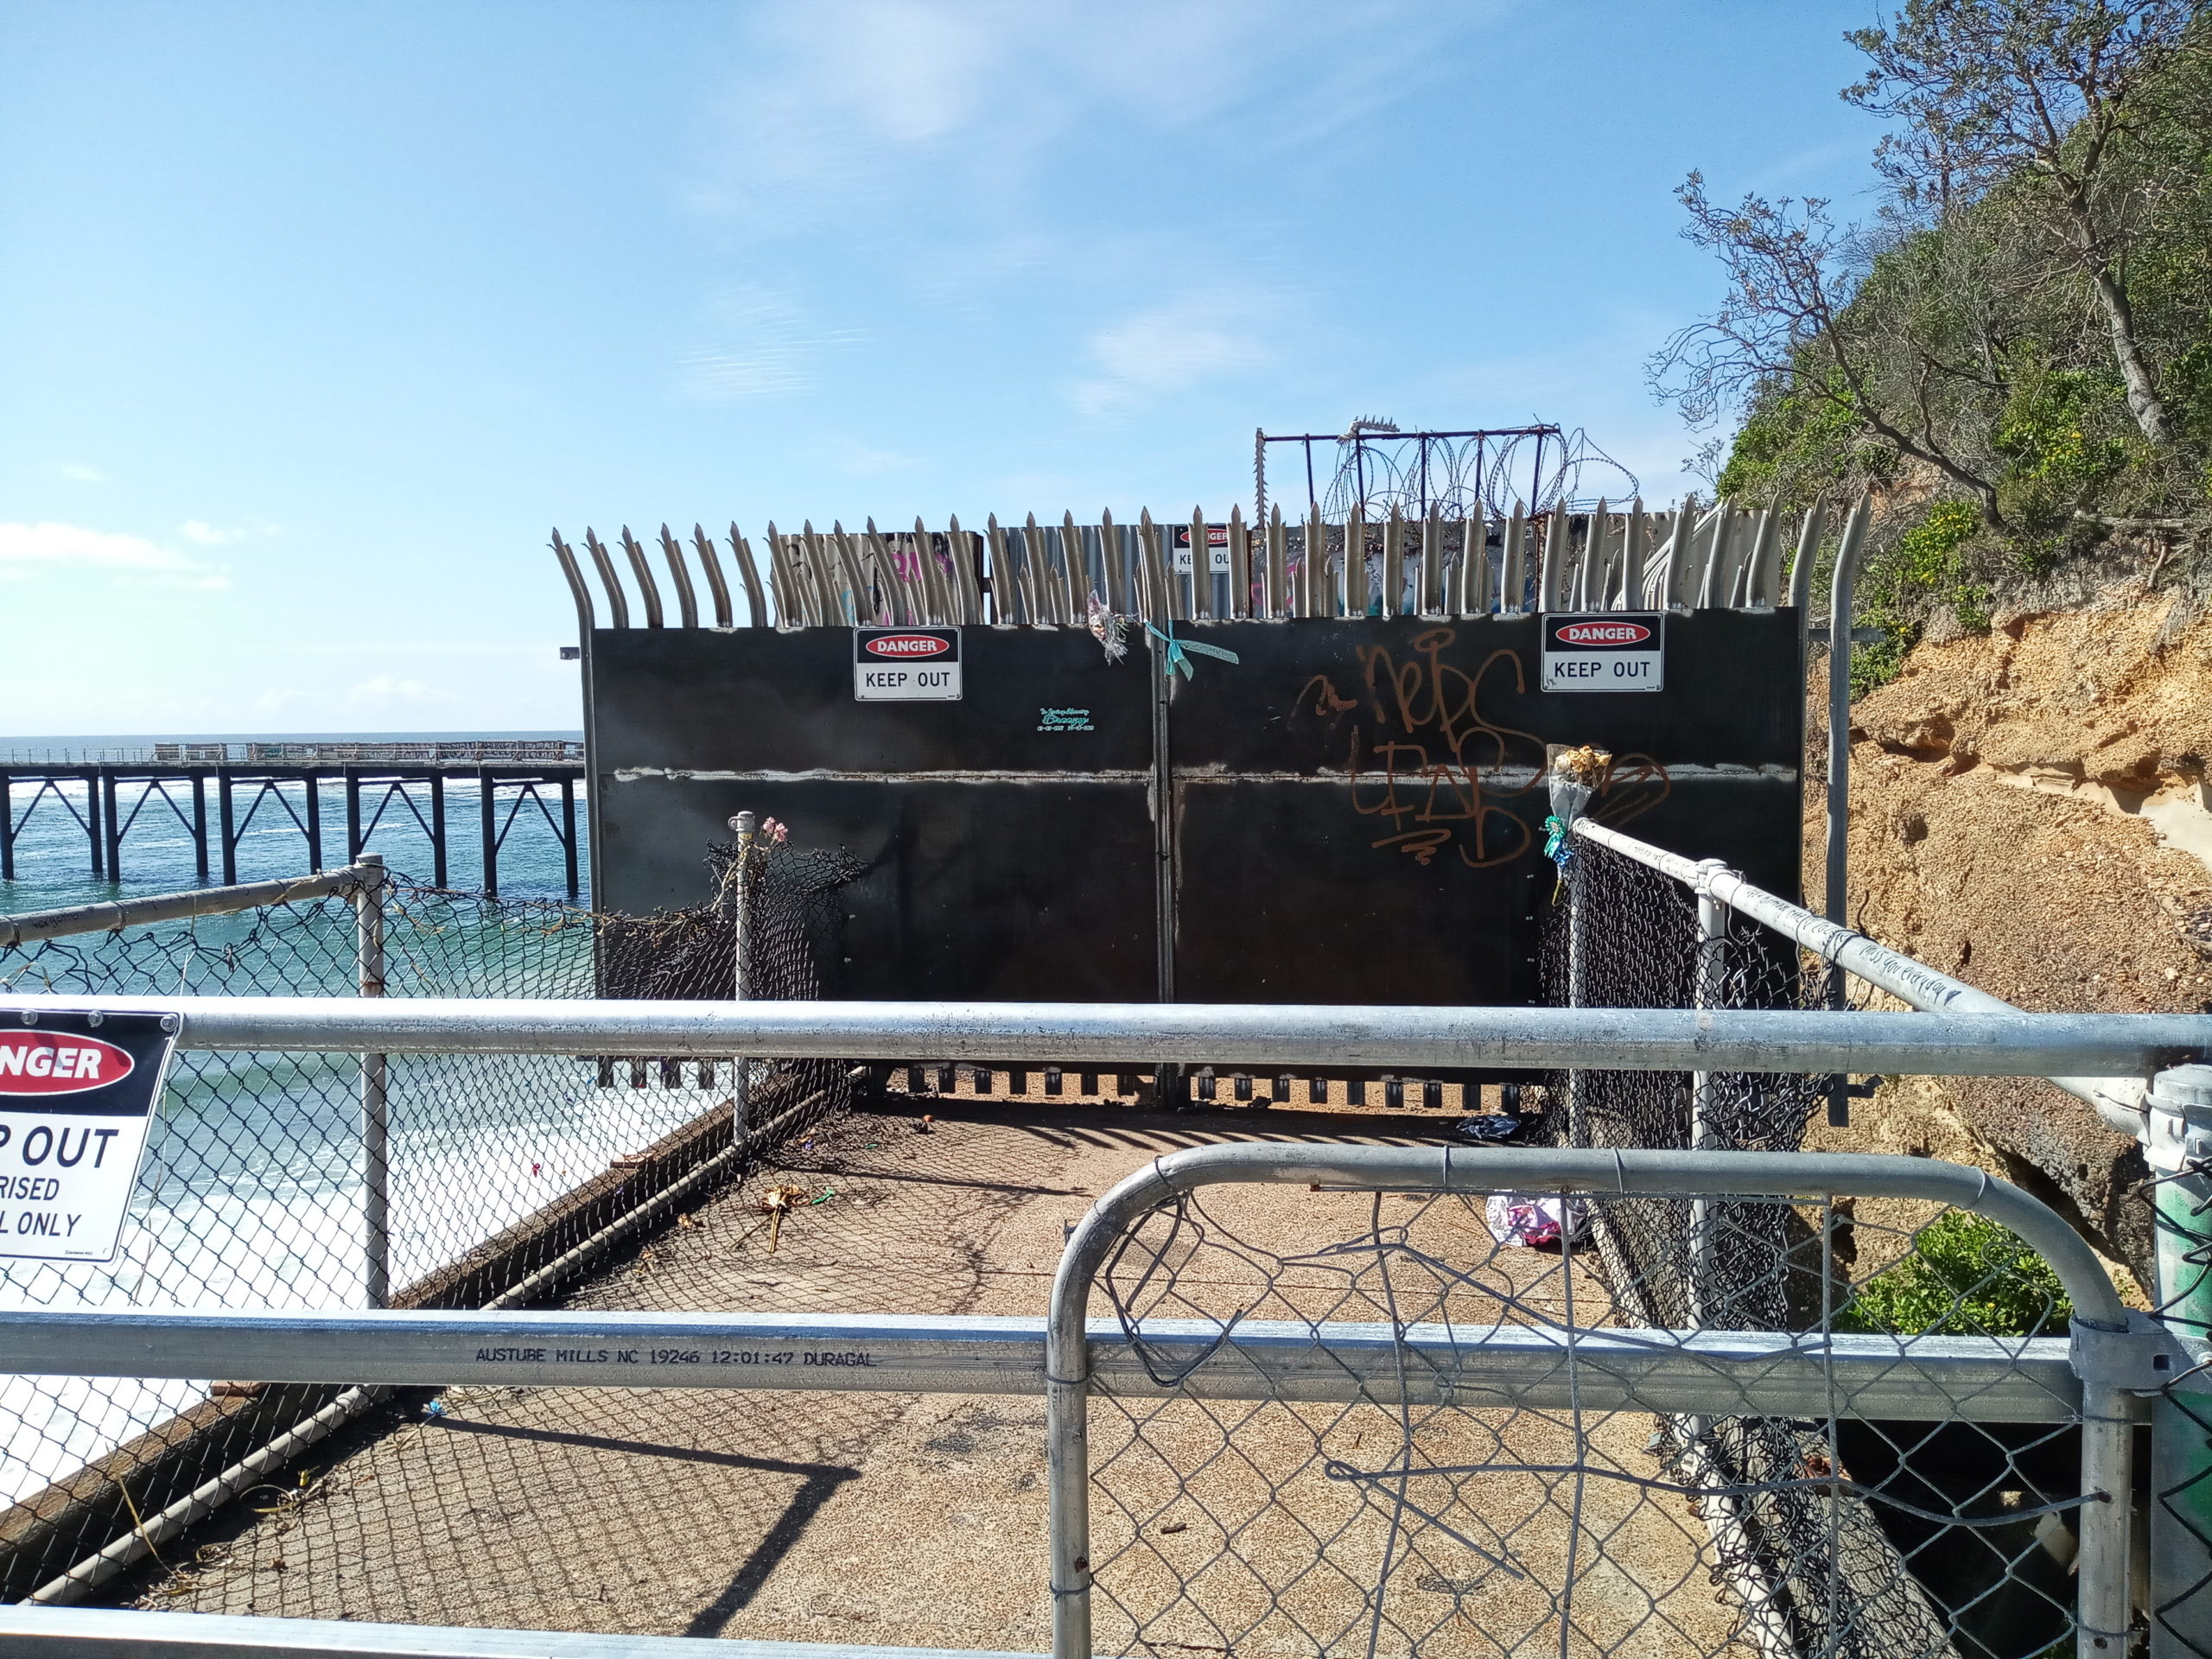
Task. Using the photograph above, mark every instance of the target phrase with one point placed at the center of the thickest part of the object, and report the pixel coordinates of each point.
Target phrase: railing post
(2178, 1131)
(747, 828)
(1838, 859)
(368, 918)
(1837, 873)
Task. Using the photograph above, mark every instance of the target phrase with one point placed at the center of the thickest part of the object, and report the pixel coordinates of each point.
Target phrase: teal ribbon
(1178, 649)
(1559, 847)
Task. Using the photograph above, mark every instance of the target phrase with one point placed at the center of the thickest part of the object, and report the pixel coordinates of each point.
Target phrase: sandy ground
(920, 1519)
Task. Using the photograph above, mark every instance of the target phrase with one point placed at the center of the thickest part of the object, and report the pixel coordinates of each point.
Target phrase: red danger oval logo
(908, 645)
(1602, 633)
(52, 1063)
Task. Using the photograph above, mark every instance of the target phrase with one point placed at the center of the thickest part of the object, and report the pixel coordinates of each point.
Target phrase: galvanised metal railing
(1428, 1365)
(2012, 1044)
(2118, 1100)
(1610, 1369)
(1557, 1362)
(27, 927)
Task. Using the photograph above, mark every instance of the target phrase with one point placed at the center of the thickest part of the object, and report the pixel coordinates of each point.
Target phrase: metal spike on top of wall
(1689, 556)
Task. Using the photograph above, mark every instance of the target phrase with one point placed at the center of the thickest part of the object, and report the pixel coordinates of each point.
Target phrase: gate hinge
(2144, 1358)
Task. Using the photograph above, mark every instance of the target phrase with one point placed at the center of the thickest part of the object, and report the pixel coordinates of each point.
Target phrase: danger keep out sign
(907, 664)
(76, 1093)
(1605, 650)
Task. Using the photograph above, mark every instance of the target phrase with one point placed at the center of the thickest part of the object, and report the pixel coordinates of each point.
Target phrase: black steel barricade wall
(1353, 807)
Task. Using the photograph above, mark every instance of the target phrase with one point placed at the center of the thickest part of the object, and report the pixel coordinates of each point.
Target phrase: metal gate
(1391, 1401)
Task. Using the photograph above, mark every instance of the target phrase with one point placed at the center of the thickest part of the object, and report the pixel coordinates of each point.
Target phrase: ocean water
(251, 1196)
(53, 855)
(251, 1199)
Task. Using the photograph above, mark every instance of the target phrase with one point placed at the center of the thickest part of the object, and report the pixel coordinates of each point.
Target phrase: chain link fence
(1623, 936)
(1329, 1453)
(504, 1174)
(1835, 1425)
(1838, 1575)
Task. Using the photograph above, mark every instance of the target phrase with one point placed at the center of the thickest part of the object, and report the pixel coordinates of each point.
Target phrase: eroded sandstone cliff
(2030, 811)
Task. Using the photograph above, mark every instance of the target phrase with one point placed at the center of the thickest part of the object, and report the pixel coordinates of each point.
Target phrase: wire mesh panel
(1347, 1467)
(498, 1167)
(1621, 934)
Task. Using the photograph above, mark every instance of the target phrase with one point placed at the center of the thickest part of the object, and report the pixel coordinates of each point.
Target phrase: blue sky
(315, 318)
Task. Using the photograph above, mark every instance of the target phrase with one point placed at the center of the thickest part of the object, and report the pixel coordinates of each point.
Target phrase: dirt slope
(2030, 811)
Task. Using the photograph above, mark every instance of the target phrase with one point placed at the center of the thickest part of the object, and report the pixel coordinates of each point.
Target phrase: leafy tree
(2025, 325)
(2032, 97)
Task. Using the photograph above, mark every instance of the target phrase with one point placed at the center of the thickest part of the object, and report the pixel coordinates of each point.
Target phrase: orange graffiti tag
(1426, 757)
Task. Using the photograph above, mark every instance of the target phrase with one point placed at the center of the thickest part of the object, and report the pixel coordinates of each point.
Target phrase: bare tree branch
(1784, 323)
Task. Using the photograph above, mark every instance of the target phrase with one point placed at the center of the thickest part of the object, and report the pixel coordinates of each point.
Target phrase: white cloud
(1170, 348)
(861, 462)
(26, 549)
(842, 102)
(200, 533)
(383, 692)
(77, 473)
(756, 343)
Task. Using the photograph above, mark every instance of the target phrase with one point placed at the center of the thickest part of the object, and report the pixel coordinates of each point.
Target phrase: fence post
(747, 826)
(1838, 869)
(2178, 1135)
(1569, 794)
(368, 927)
(1705, 993)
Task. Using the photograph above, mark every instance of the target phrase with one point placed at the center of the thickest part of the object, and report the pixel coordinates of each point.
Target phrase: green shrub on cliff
(1967, 1277)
